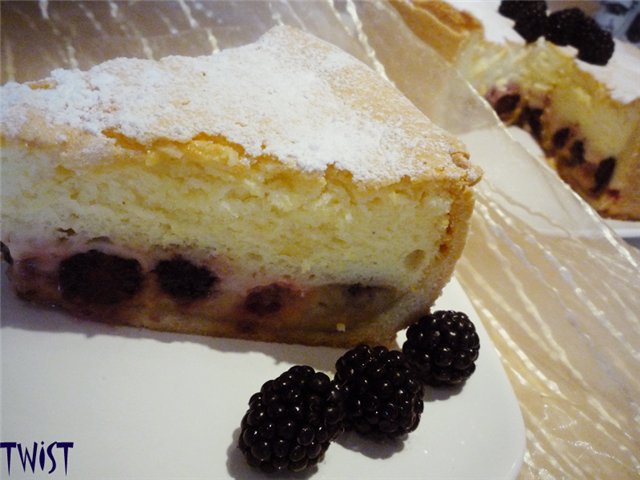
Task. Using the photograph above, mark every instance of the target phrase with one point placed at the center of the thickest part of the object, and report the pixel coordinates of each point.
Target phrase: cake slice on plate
(585, 116)
(278, 191)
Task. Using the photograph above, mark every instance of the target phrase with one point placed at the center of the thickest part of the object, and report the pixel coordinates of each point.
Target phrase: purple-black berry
(383, 396)
(594, 44)
(563, 26)
(291, 421)
(442, 348)
(97, 278)
(531, 27)
(515, 9)
(184, 280)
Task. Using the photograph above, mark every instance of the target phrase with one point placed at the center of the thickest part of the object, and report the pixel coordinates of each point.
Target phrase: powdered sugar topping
(289, 95)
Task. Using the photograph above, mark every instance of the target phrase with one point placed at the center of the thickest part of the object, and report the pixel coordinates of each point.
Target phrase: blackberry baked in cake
(278, 191)
(577, 95)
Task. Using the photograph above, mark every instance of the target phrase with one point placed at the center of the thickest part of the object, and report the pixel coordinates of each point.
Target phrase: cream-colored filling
(281, 305)
(548, 76)
(207, 196)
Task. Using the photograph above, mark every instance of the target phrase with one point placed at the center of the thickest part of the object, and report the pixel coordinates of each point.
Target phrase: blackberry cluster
(564, 25)
(291, 421)
(376, 392)
(530, 17)
(516, 9)
(594, 44)
(531, 27)
(570, 26)
(382, 393)
(442, 347)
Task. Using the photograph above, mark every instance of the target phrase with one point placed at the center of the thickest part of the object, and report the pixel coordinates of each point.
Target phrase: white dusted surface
(556, 288)
(287, 95)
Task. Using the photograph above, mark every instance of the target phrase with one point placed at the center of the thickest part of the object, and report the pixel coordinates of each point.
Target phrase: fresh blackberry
(515, 9)
(594, 44)
(442, 347)
(615, 8)
(633, 30)
(184, 280)
(383, 396)
(291, 421)
(531, 27)
(563, 26)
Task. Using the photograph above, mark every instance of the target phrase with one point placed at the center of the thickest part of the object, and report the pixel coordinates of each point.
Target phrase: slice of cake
(279, 191)
(585, 117)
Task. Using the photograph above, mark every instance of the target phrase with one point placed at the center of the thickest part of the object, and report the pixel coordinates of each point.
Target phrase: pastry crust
(288, 85)
(438, 24)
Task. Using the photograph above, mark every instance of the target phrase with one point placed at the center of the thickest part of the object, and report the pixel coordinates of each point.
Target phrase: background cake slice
(278, 191)
(586, 117)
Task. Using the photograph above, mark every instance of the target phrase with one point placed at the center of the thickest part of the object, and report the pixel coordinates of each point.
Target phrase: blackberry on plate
(291, 421)
(515, 9)
(594, 44)
(442, 347)
(383, 396)
(563, 26)
(531, 27)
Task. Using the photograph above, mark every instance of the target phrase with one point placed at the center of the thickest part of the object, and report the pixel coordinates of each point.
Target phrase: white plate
(625, 228)
(148, 405)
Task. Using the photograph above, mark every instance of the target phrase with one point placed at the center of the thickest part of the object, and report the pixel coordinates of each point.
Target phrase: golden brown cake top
(288, 95)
